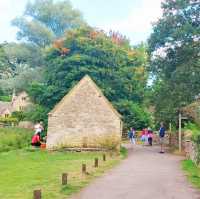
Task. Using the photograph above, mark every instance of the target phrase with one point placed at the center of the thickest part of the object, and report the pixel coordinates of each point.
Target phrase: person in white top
(39, 127)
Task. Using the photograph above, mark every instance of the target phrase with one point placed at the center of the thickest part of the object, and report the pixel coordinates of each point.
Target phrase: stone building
(192, 111)
(5, 109)
(19, 103)
(84, 118)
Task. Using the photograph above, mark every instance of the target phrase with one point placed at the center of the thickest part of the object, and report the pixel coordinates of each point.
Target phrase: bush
(36, 113)
(8, 120)
(134, 115)
(19, 115)
(5, 98)
(14, 138)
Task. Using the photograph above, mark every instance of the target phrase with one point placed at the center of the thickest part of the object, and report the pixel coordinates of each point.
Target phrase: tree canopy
(117, 68)
(174, 48)
(45, 20)
(41, 23)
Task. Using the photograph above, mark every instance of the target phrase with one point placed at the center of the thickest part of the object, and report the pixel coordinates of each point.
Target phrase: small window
(23, 98)
(6, 115)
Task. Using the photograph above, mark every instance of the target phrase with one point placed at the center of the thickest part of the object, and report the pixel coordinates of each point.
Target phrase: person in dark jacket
(131, 136)
(162, 137)
(150, 136)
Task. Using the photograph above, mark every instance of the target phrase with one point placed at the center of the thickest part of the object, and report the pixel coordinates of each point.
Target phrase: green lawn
(192, 171)
(12, 138)
(23, 171)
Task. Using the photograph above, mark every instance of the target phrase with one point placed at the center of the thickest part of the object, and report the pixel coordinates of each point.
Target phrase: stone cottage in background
(19, 103)
(192, 111)
(84, 118)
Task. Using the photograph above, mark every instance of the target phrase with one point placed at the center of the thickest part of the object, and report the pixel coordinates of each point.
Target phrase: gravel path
(145, 174)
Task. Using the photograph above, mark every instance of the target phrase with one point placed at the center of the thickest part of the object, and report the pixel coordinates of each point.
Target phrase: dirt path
(145, 174)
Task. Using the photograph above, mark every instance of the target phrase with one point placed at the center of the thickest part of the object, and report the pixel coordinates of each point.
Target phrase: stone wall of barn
(84, 119)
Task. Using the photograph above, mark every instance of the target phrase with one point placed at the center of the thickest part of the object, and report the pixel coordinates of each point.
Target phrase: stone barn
(84, 118)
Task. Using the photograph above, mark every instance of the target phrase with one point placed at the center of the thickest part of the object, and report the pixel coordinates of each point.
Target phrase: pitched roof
(5, 106)
(80, 83)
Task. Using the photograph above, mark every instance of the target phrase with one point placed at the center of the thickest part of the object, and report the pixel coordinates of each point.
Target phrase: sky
(132, 18)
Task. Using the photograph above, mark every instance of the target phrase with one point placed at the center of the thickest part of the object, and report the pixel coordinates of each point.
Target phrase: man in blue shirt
(162, 136)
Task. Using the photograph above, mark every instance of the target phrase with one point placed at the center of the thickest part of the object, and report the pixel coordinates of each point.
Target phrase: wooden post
(96, 162)
(83, 168)
(37, 194)
(104, 157)
(170, 133)
(64, 178)
(179, 133)
(187, 148)
(170, 127)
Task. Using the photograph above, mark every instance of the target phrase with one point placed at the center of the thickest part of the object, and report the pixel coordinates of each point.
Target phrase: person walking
(131, 136)
(150, 136)
(162, 137)
(144, 137)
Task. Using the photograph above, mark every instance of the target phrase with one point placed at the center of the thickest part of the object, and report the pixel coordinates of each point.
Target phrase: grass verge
(22, 171)
(192, 171)
(12, 138)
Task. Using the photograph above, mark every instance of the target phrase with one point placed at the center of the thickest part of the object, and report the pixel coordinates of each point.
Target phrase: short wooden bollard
(96, 162)
(83, 168)
(64, 178)
(104, 157)
(37, 194)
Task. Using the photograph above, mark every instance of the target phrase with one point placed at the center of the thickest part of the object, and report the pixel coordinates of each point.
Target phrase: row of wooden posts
(37, 194)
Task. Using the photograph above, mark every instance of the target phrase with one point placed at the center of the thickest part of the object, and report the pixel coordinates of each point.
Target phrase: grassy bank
(23, 171)
(14, 138)
(192, 171)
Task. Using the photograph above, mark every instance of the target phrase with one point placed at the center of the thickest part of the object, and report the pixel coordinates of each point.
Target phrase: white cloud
(9, 9)
(138, 24)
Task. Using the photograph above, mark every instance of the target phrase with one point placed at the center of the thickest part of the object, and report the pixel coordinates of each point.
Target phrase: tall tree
(174, 48)
(42, 22)
(45, 20)
(6, 68)
(116, 67)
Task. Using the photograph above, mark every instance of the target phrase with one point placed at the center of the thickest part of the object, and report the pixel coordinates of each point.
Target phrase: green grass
(192, 171)
(14, 138)
(5, 98)
(123, 152)
(22, 171)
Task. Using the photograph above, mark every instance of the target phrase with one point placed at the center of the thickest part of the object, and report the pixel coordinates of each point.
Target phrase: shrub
(5, 98)
(134, 115)
(19, 115)
(8, 120)
(36, 113)
(14, 138)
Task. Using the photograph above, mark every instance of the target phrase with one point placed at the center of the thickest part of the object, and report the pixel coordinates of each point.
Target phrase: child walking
(150, 136)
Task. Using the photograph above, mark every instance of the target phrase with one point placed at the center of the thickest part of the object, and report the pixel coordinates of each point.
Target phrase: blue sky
(132, 18)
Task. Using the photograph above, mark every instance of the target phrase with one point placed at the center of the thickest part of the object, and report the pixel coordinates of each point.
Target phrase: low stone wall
(26, 125)
(190, 150)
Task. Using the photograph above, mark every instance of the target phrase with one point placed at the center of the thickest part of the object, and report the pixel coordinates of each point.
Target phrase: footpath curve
(145, 174)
